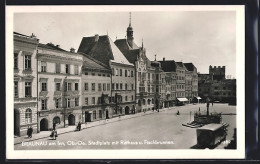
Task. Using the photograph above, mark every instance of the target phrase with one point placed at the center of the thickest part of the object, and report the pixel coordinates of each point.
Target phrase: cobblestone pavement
(152, 130)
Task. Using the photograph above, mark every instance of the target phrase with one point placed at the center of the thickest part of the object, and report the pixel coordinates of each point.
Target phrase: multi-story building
(169, 67)
(96, 90)
(103, 49)
(25, 83)
(59, 87)
(180, 82)
(191, 82)
(143, 70)
(216, 87)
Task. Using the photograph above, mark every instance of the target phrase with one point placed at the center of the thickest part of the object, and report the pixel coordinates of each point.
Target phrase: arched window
(56, 120)
(28, 116)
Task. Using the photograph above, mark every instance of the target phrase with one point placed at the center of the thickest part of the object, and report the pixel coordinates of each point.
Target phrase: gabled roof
(168, 65)
(130, 54)
(189, 66)
(103, 49)
(91, 63)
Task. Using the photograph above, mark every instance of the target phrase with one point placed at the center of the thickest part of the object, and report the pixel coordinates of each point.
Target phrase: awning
(198, 98)
(182, 99)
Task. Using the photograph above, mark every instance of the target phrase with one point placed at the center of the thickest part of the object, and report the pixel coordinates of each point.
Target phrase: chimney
(96, 37)
(58, 46)
(72, 50)
(33, 36)
(163, 58)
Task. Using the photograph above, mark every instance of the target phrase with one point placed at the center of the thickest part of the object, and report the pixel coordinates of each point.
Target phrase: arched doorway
(44, 124)
(16, 122)
(71, 119)
(127, 110)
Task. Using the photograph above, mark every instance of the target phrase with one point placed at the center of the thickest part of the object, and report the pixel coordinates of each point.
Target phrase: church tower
(129, 33)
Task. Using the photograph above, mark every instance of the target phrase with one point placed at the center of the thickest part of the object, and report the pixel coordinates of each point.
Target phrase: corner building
(25, 83)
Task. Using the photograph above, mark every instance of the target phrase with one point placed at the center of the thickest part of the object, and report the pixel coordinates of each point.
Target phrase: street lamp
(64, 107)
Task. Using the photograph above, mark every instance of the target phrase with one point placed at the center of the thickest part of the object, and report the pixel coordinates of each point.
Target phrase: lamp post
(64, 103)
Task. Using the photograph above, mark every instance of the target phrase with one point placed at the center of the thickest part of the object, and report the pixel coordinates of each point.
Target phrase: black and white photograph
(125, 82)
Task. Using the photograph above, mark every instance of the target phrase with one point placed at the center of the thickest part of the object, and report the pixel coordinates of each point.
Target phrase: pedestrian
(54, 126)
(212, 103)
(178, 112)
(29, 132)
(79, 126)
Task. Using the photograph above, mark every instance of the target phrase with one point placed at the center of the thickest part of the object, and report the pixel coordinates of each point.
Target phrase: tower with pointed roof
(129, 33)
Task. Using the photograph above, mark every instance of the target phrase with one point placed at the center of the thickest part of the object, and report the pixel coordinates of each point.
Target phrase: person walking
(54, 126)
(29, 132)
(79, 126)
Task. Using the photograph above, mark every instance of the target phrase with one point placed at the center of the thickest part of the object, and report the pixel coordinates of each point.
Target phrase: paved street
(158, 130)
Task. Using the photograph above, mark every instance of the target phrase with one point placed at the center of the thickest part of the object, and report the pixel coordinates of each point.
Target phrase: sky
(201, 37)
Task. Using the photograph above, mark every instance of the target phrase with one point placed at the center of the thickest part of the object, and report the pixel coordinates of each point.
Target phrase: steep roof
(93, 64)
(103, 49)
(168, 65)
(189, 66)
(130, 54)
(50, 46)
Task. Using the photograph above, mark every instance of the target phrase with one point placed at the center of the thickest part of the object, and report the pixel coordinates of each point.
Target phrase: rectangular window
(125, 73)
(44, 104)
(94, 115)
(132, 98)
(93, 87)
(99, 87)
(15, 60)
(116, 72)
(86, 86)
(57, 86)
(76, 69)
(16, 89)
(28, 90)
(57, 67)
(68, 103)
(121, 86)
(44, 86)
(125, 86)
(128, 73)
(86, 100)
(27, 62)
(104, 87)
(132, 86)
(93, 101)
(108, 87)
(93, 74)
(67, 68)
(132, 73)
(126, 98)
(76, 86)
(100, 113)
(69, 86)
(121, 72)
(117, 86)
(76, 101)
(43, 66)
(57, 102)
(113, 86)
(86, 73)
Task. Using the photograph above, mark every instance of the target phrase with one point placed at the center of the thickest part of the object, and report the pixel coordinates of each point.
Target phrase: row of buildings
(103, 79)
(215, 86)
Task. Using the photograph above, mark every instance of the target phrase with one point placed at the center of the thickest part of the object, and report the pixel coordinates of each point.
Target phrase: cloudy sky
(201, 37)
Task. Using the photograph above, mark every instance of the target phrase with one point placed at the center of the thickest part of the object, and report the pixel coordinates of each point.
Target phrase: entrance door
(126, 110)
(87, 117)
(44, 125)
(107, 114)
(16, 122)
(71, 119)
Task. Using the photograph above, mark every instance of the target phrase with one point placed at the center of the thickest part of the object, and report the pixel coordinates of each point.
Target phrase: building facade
(59, 87)
(25, 83)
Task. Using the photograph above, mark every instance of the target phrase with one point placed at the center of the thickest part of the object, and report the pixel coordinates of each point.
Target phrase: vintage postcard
(125, 82)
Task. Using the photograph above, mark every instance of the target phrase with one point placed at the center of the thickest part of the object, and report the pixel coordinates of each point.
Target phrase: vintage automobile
(210, 135)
